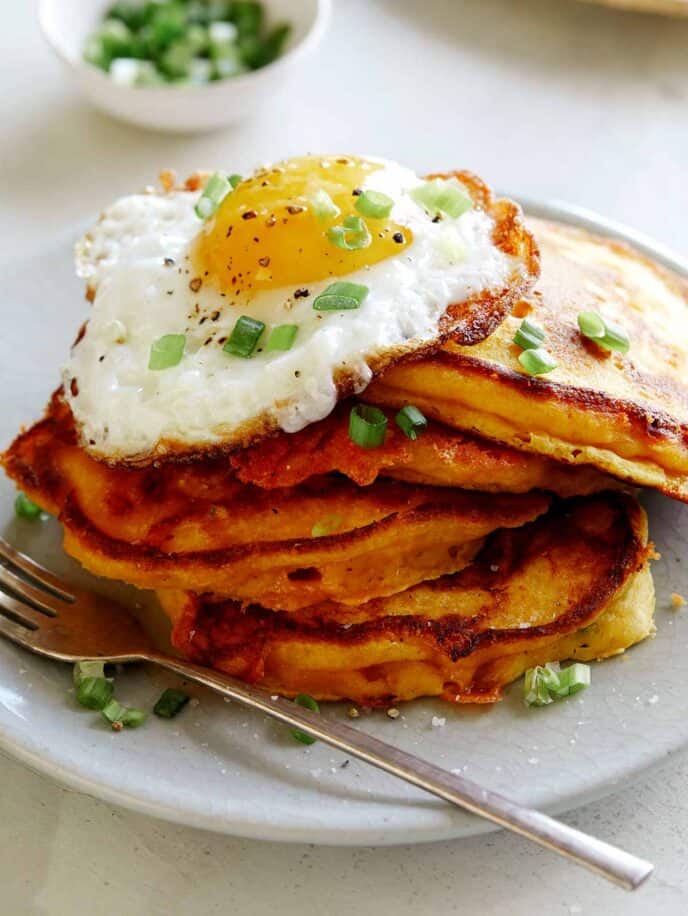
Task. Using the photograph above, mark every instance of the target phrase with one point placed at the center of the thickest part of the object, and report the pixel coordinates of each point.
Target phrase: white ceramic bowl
(67, 23)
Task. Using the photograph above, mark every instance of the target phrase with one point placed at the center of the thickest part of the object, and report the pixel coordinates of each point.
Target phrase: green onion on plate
(94, 692)
(118, 715)
(544, 684)
(170, 703)
(308, 702)
(88, 668)
(26, 508)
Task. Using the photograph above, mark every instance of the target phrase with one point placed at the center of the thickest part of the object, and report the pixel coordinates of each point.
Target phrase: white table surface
(543, 97)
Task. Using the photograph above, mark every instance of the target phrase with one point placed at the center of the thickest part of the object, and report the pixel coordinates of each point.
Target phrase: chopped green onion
(248, 17)
(442, 196)
(450, 244)
(200, 70)
(94, 692)
(609, 336)
(367, 426)
(529, 336)
(114, 712)
(323, 206)
(222, 32)
(26, 508)
(234, 180)
(374, 204)
(573, 679)
(176, 60)
(167, 351)
(352, 235)
(244, 337)
(411, 421)
(546, 683)
(282, 337)
(213, 194)
(197, 38)
(341, 295)
(127, 71)
(537, 361)
(170, 703)
(84, 669)
(325, 526)
(257, 52)
(307, 701)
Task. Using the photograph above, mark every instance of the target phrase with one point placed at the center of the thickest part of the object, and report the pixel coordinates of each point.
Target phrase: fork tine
(16, 632)
(36, 596)
(34, 570)
(19, 612)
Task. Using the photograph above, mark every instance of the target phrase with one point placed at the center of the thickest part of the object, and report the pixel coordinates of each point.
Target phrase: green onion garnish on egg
(26, 508)
(244, 337)
(170, 703)
(537, 361)
(352, 235)
(529, 336)
(281, 337)
(308, 702)
(167, 351)
(94, 692)
(607, 335)
(323, 206)
(411, 421)
(215, 191)
(442, 196)
(234, 180)
(374, 204)
(367, 426)
(340, 295)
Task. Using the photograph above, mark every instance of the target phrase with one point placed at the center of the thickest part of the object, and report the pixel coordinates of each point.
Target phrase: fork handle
(612, 863)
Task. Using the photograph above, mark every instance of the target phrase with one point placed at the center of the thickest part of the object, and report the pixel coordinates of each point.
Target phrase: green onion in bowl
(183, 42)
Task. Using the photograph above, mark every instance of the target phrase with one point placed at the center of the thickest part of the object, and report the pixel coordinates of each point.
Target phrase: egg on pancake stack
(211, 439)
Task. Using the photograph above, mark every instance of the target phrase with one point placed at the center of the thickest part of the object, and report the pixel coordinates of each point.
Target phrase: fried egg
(276, 242)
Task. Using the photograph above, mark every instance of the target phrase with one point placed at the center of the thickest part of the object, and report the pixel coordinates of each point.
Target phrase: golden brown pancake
(197, 526)
(575, 583)
(625, 414)
(441, 456)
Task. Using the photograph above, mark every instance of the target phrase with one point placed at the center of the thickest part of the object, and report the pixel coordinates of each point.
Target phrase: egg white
(128, 412)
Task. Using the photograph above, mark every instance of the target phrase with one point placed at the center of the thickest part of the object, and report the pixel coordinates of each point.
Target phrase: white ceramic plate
(219, 767)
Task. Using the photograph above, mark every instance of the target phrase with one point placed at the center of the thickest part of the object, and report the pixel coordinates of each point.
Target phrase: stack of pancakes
(507, 535)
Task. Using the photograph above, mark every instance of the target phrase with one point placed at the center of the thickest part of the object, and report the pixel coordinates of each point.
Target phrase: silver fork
(59, 621)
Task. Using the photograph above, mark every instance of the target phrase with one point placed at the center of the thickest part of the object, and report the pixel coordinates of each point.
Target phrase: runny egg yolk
(267, 234)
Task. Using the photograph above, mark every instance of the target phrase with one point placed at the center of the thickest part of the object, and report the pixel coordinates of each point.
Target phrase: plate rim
(32, 753)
